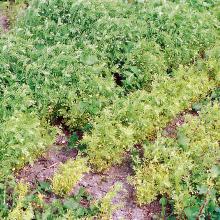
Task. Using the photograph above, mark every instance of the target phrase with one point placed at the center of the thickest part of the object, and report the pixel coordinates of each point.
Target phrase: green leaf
(163, 201)
(202, 189)
(182, 140)
(82, 147)
(73, 140)
(215, 171)
(191, 212)
(45, 186)
(89, 60)
(134, 69)
(71, 204)
(197, 107)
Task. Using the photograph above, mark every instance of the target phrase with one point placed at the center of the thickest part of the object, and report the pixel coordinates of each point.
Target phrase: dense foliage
(185, 169)
(132, 119)
(119, 70)
(89, 43)
(68, 175)
(22, 139)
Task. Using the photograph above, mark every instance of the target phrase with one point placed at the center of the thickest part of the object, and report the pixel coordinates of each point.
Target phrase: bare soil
(4, 22)
(98, 184)
(171, 129)
(44, 168)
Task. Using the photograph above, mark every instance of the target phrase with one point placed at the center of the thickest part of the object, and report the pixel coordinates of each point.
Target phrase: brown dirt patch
(44, 168)
(171, 129)
(99, 184)
(4, 22)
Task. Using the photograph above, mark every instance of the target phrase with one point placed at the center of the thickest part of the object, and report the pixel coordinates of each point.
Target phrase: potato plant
(23, 138)
(63, 50)
(119, 70)
(134, 118)
(68, 175)
(184, 169)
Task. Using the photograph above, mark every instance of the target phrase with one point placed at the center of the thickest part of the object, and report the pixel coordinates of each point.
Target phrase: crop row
(62, 57)
(185, 169)
(132, 119)
(124, 68)
(75, 57)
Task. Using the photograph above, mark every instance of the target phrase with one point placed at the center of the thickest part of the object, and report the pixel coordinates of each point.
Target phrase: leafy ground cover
(114, 73)
(194, 181)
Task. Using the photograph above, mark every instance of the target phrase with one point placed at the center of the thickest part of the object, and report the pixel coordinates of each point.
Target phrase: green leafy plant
(138, 116)
(20, 211)
(106, 206)
(68, 175)
(184, 171)
(73, 140)
(117, 70)
(23, 138)
(75, 76)
(30, 204)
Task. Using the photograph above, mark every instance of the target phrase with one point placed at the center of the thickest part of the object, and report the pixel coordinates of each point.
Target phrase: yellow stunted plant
(19, 212)
(106, 205)
(68, 175)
